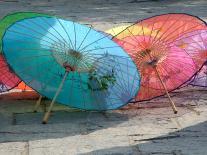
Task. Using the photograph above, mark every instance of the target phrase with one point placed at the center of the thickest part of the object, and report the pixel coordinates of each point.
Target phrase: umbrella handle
(47, 115)
(38, 103)
(163, 85)
(166, 91)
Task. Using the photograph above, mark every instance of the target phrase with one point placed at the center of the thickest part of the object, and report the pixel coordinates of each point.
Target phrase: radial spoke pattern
(171, 43)
(8, 80)
(101, 75)
(197, 42)
(200, 79)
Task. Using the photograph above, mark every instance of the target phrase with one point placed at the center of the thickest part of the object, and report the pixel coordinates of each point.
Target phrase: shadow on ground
(192, 139)
(18, 123)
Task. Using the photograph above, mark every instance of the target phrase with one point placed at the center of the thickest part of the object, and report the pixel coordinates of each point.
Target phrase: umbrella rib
(172, 65)
(174, 37)
(187, 31)
(163, 69)
(189, 36)
(148, 88)
(122, 44)
(128, 76)
(133, 83)
(96, 97)
(29, 36)
(168, 17)
(49, 69)
(71, 86)
(9, 78)
(66, 33)
(120, 56)
(32, 57)
(28, 82)
(182, 82)
(197, 42)
(33, 66)
(118, 70)
(102, 72)
(81, 87)
(64, 41)
(135, 39)
(124, 86)
(37, 32)
(74, 35)
(22, 41)
(170, 27)
(84, 38)
(93, 42)
(120, 86)
(88, 51)
(192, 45)
(152, 30)
(92, 58)
(106, 63)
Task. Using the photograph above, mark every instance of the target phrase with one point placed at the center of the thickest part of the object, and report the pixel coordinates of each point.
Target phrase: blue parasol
(71, 63)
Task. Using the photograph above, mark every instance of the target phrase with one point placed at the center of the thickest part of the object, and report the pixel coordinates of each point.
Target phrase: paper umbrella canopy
(8, 80)
(200, 79)
(198, 41)
(70, 62)
(163, 48)
(116, 30)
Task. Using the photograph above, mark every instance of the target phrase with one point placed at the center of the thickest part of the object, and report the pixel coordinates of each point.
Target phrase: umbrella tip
(44, 122)
(175, 112)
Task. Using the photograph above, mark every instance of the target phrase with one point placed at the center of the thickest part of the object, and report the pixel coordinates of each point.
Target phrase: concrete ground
(147, 129)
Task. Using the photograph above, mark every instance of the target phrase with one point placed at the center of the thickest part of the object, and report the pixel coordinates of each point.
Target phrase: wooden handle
(166, 91)
(163, 85)
(47, 115)
(38, 103)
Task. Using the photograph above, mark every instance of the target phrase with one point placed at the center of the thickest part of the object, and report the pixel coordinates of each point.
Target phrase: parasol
(71, 63)
(155, 44)
(200, 79)
(8, 79)
(116, 30)
(197, 42)
(9, 19)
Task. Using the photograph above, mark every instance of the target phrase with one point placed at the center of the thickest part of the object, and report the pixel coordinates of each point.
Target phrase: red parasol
(157, 45)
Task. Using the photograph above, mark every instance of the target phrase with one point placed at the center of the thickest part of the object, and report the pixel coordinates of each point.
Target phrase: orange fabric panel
(22, 86)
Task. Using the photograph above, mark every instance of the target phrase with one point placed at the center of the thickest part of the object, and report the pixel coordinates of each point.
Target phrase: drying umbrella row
(77, 66)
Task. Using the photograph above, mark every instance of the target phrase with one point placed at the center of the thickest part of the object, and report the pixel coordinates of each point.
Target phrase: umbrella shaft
(171, 101)
(163, 85)
(46, 117)
(38, 103)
